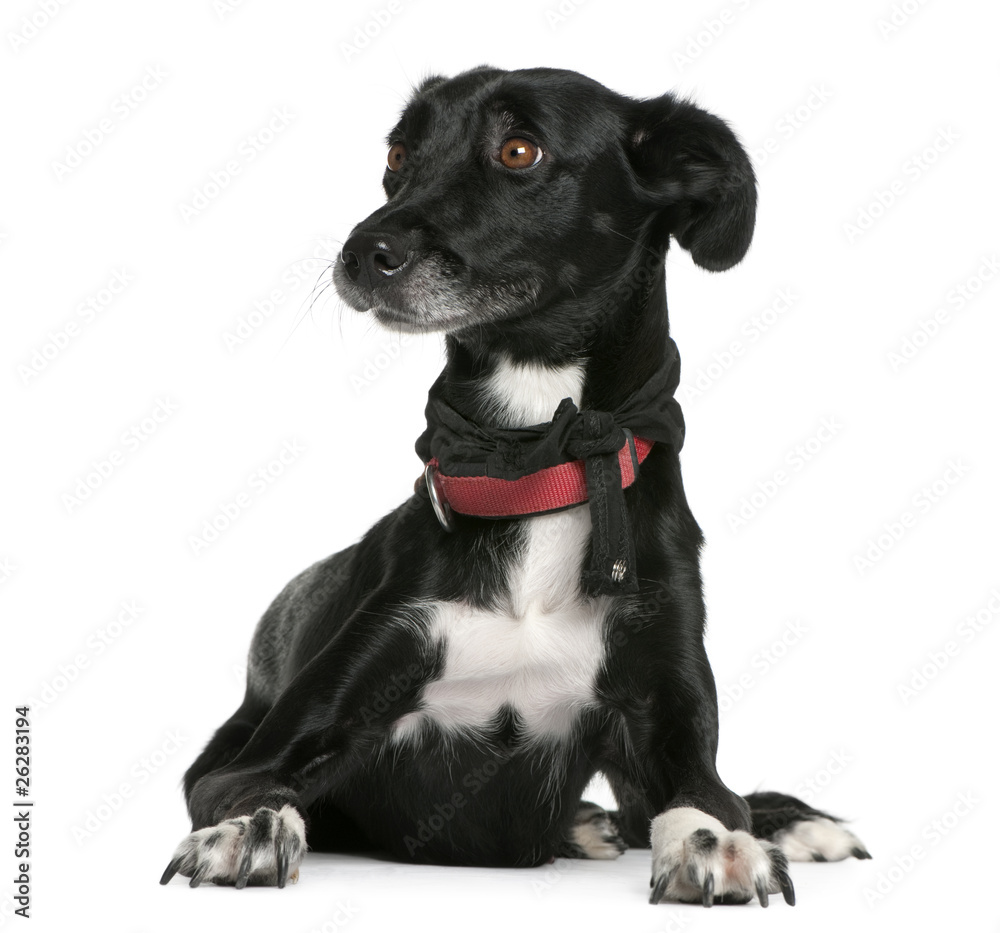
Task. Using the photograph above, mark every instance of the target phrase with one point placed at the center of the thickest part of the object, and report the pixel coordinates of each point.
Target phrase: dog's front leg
(702, 847)
(670, 795)
(249, 817)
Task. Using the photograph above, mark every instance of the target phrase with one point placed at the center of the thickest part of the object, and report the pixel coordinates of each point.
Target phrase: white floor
(358, 894)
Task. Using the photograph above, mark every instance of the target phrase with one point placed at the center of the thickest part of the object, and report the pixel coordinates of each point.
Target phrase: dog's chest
(539, 653)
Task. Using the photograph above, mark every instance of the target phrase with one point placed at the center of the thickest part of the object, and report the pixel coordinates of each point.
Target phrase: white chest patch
(519, 396)
(539, 653)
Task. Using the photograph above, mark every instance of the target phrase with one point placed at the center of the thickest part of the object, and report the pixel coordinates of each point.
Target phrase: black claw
(762, 892)
(282, 864)
(784, 879)
(819, 857)
(858, 852)
(171, 870)
(708, 890)
(661, 887)
(243, 875)
(199, 875)
(658, 891)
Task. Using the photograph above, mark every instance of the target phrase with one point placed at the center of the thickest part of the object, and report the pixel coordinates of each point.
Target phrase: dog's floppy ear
(689, 164)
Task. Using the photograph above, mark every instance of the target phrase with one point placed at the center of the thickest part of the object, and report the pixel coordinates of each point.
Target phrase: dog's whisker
(305, 310)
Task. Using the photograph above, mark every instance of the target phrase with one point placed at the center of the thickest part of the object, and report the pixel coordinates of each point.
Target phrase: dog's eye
(397, 156)
(520, 153)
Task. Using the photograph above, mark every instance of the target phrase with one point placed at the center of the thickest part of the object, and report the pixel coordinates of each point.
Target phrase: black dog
(445, 689)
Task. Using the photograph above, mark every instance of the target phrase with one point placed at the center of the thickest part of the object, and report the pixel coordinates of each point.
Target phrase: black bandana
(464, 448)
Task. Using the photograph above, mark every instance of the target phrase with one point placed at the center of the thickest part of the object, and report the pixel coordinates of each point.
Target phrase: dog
(444, 689)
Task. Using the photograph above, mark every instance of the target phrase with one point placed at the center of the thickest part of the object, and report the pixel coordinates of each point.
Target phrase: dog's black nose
(370, 259)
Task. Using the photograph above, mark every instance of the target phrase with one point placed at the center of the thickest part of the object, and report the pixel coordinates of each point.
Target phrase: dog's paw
(819, 839)
(593, 834)
(696, 859)
(263, 849)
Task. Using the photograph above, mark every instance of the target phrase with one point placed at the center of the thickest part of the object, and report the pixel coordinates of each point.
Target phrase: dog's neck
(505, 381)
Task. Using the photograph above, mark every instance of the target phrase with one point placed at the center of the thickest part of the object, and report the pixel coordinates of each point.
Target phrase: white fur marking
(673, 826)
(818, 836)
(598, 838)
(522, 395)
(540, 652)
(219, 848)
(736, 861)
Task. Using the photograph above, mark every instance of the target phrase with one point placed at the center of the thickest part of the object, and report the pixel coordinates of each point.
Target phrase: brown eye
(519, 153)
(397, 156)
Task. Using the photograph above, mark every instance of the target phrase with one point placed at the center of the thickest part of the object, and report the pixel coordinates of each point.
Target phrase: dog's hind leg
(594, 834)
(803, 833)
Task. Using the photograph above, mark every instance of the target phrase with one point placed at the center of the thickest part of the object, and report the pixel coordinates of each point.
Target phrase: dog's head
(517, 197)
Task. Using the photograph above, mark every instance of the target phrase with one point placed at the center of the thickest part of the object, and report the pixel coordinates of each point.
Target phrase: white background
(889, 127)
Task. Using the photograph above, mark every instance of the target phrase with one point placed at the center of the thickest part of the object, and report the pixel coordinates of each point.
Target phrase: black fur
(559, 263)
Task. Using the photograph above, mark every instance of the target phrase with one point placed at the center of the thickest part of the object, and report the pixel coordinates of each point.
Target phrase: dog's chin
(456, 321)
(403, 311)
(406, 322)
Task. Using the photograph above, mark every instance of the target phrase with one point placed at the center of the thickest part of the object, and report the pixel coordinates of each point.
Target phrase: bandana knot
(460, 447)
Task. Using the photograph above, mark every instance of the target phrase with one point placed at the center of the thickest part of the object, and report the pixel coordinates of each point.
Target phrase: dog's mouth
(426, 292)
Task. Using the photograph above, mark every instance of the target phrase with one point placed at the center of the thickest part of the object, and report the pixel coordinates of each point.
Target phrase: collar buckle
(442, 510)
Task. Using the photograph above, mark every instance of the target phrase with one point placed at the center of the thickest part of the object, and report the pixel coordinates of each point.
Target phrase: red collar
(548, 490)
